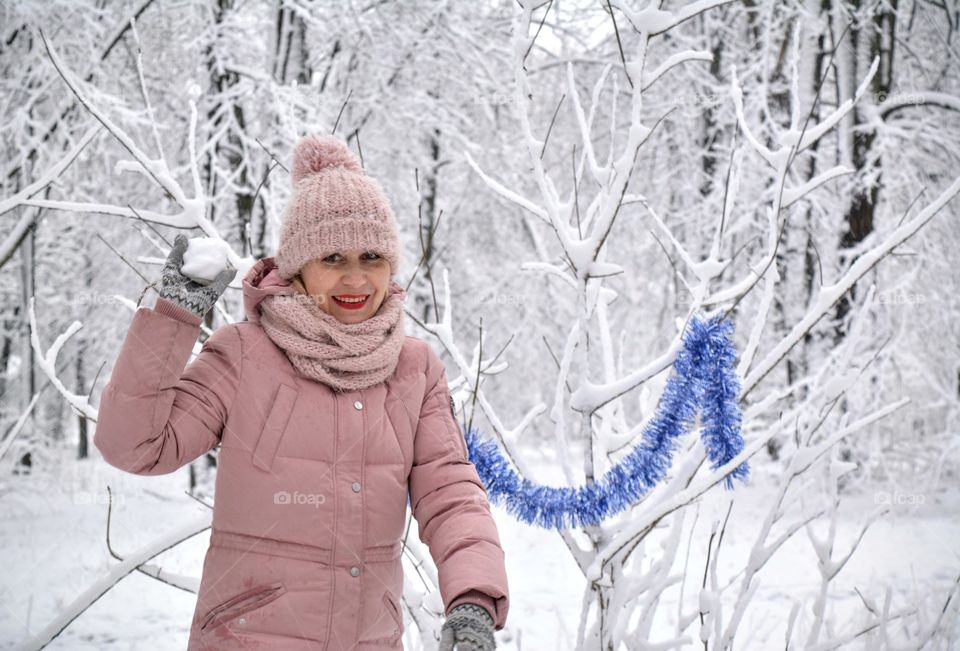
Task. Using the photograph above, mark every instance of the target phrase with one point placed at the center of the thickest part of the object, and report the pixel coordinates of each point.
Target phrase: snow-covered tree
(574, 182)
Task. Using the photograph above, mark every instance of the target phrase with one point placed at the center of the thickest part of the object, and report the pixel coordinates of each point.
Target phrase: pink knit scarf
(346, 357)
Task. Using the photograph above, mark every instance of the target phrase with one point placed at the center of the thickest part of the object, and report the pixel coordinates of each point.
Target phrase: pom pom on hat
(315, 153)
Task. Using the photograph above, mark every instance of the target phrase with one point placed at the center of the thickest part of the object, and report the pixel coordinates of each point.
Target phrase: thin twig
(272, 155)
(264, 180)
(576, 190)
(342, 107)
(546, 138)
(143, 88)
(616, 31)
(122, 257)
(197, 499)
(476, 382)
(534, 39)
(140, 217)
(95, 378)
(359, 148)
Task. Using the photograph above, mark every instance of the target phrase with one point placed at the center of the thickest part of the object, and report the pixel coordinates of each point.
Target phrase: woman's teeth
(351, 303)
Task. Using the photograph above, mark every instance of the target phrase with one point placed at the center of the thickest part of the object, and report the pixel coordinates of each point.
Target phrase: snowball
(204, 258)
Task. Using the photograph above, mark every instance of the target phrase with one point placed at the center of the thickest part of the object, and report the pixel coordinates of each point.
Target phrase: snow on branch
(671, 62)
(506, 193)
(830, 294)
(48, 364)
(103, 585)
(798, 138)
(193, 208)
(156, 169)
(807, 138)
(791, 195)
(653, 21)
(48, 177)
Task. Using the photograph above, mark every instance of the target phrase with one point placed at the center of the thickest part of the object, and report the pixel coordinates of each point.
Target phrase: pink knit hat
(334, 207)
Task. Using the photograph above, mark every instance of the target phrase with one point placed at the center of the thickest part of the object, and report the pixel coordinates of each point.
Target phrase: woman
(328, 417)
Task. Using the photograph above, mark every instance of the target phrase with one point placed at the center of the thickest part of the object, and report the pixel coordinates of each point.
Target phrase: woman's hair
(297, 283)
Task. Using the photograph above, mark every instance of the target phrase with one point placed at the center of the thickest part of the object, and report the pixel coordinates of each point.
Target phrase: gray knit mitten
(187, 293)
(470, 628)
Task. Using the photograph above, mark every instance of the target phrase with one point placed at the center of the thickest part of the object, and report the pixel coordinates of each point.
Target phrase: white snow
(54, 526)
(204, 258)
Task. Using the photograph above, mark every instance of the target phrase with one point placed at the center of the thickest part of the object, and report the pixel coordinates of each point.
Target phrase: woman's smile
(351, 301)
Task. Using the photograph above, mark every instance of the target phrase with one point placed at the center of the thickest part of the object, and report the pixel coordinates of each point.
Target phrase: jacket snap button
(354, 571)
(242, 621)
(356, 487)
(357, 405)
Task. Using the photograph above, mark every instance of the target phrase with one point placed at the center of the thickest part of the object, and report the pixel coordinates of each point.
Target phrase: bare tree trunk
(83, 443)
(799, 241)
(290, 61)
(711, 132)
(859, 219)
(785, 254)
(429, 216)
(27, 279)
(292, 54)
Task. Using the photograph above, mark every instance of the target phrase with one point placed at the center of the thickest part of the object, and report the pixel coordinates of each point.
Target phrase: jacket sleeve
(154, 416)
(450, 504)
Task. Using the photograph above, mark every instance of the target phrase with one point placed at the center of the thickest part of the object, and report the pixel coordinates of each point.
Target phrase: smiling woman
(329, 418)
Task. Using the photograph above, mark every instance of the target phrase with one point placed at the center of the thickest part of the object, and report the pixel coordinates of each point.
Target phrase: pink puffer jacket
(311, 486)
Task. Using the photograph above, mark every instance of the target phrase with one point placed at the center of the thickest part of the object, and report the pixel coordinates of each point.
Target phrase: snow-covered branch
(45, 179)
(99, 588)
(47, 361)
(830, 294)
(192, 214)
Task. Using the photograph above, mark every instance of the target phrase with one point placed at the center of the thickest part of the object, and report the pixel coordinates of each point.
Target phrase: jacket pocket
(273, 428)
(380, 620)
(393, 608)
(241, 604)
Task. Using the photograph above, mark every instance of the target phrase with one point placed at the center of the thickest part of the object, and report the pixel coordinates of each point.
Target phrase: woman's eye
(371, 255)
(330, 257)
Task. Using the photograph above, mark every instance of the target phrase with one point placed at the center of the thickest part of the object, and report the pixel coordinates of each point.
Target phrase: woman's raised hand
(188, 293)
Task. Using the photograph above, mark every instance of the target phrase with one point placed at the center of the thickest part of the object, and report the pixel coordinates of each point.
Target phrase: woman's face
(348, 275)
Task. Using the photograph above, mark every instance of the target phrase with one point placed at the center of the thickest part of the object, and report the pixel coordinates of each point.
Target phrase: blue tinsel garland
(704, 378)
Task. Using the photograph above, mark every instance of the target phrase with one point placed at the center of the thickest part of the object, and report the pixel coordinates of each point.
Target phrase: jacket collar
(262, 280)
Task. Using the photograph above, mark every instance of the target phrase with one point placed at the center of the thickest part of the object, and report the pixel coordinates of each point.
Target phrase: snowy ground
(52, 536)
